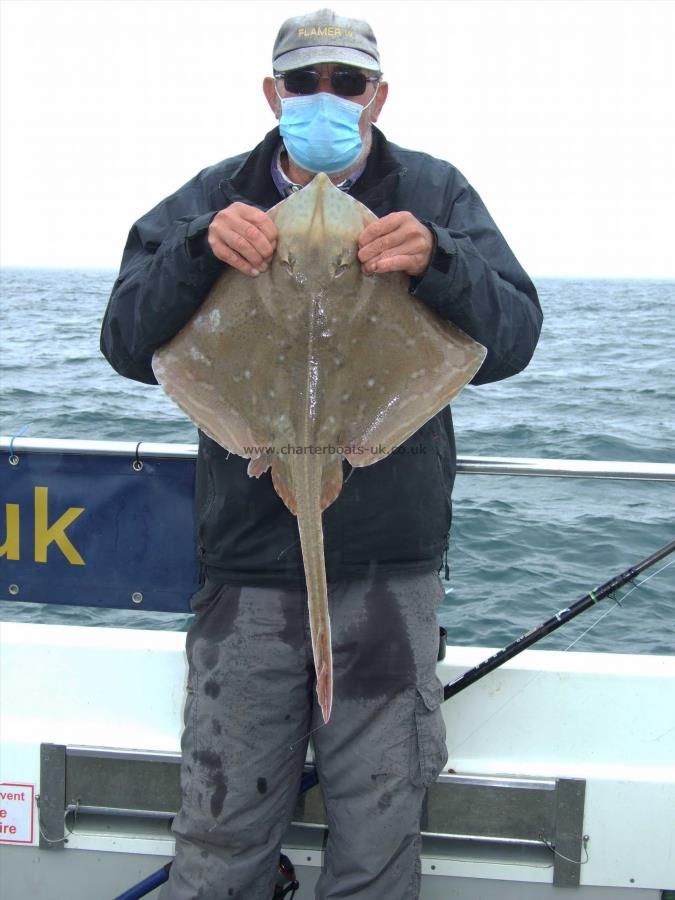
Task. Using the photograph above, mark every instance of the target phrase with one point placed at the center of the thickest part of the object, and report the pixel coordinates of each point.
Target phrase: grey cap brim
(310, 56)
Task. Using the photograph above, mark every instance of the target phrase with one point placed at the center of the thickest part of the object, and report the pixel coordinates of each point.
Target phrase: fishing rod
(557, 621)
(310, 777)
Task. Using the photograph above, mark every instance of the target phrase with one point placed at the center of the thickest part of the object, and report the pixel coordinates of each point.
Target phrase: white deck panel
(607, 718)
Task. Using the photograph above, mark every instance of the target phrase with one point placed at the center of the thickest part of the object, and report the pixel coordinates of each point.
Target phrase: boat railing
(111, 523)
(466, 465)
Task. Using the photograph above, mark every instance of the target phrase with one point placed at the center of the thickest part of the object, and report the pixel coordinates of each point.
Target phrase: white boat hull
(606, 719)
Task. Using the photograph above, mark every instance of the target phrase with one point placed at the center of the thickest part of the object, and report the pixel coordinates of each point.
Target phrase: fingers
(411, 264)
(396, 243)
(380, 234)
(243, 237)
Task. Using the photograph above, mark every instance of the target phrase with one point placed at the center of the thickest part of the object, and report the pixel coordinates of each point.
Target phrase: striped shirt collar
(286, 187)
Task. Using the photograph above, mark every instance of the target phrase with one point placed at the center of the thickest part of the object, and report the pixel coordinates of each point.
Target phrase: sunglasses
(345, 82)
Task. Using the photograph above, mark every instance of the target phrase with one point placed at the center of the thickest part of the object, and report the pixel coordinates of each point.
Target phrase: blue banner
(93, 530)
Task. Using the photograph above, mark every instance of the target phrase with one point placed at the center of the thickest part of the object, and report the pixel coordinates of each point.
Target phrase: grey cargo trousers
(250, 707)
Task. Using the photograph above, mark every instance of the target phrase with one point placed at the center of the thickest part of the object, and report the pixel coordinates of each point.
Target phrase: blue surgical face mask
(321, 131)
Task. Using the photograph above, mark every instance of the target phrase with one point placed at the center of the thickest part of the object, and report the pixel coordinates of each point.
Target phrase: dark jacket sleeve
(475, 281)
(167, 270)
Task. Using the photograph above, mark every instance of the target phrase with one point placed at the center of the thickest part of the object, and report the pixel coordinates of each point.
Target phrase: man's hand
(243, 237)
(396, 243)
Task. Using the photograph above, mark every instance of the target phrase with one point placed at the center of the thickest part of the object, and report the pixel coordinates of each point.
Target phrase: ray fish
(315, 356)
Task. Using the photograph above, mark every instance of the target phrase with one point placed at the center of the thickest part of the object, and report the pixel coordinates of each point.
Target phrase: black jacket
(395, 514)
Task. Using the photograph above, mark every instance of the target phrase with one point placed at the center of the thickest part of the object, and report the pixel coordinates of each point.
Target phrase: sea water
(600, 387)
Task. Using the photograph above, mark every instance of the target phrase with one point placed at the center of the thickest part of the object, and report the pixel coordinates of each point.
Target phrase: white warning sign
(16, 813)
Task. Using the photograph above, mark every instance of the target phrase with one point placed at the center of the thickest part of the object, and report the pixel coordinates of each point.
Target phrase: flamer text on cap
(324, 37)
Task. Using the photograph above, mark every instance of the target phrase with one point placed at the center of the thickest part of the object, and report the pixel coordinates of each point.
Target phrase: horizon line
(534, 278)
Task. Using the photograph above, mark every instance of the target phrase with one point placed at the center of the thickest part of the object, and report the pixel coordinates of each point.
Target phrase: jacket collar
(252, 181)
(376, 188)
(378, 185)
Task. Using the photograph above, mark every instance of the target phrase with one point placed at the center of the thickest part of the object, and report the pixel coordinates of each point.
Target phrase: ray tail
(307, 479)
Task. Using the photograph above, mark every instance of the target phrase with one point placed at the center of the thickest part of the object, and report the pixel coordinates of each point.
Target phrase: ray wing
(228, 368)
(405, 364)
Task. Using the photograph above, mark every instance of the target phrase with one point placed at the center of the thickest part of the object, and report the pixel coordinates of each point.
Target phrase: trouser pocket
(432, 753)
(205, 597)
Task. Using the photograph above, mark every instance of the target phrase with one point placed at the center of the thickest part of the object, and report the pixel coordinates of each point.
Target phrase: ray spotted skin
(312, 363)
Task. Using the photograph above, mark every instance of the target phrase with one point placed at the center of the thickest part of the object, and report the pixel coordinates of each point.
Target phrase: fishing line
(562, 617)
(618, 603)
(496, 712)
(539, 674)
(644, 580)
(286, 549)
(305, 736)
(609, 610)
(530, 681)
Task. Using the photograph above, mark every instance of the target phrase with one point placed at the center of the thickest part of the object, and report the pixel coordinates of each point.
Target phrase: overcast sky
(559, 113)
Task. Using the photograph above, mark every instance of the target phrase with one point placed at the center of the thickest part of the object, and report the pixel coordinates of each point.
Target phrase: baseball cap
(325, 37)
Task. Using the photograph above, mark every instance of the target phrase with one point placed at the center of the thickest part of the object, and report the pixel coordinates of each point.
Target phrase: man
(251, 704)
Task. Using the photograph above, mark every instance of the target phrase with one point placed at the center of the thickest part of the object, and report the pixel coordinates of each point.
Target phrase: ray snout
(320, 212)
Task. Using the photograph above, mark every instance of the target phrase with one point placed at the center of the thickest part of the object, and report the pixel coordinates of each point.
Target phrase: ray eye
(289, 264)
(340, 268)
